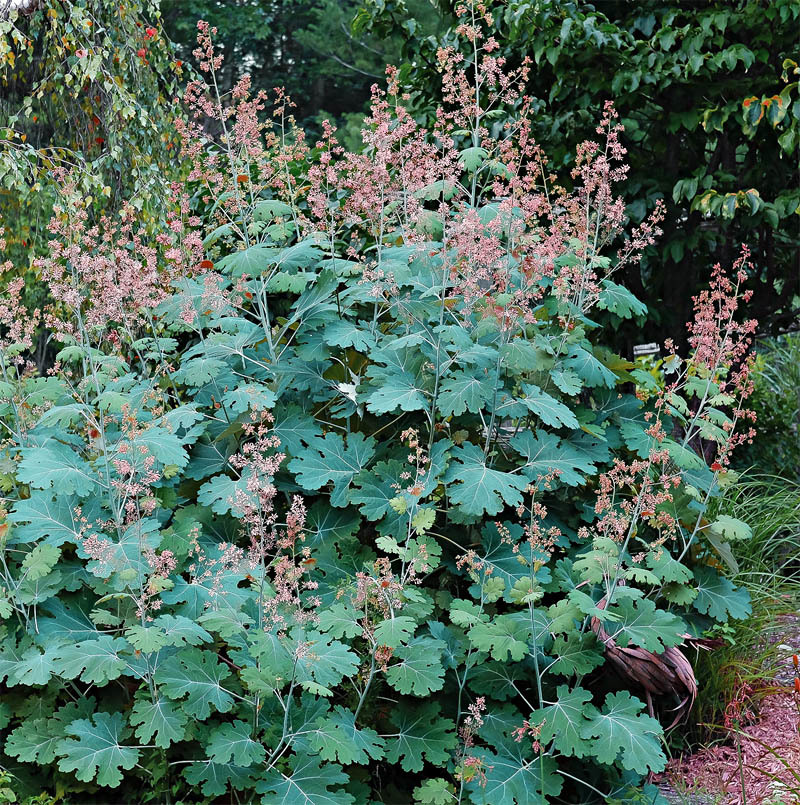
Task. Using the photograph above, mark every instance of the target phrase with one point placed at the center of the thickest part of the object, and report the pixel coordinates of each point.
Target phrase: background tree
(86, 87)
(86, 91)
(307, 47)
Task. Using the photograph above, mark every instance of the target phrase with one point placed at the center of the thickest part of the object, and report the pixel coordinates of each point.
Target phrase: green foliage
(777, 405)
(347, 541)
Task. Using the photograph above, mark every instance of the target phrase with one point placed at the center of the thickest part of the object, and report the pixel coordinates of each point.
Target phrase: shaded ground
(764, 754)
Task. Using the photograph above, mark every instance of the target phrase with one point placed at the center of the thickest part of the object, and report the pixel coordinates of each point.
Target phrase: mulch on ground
(763, 753)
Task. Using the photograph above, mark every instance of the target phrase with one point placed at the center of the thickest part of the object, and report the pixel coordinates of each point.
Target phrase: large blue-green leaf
(96, 661)
(309, 783)
(217, 779)
(395, 390)
(46, 519)
(422, 734)
(159, 720)
(620, 731)
(513, 779)
(233, 742)
(545, 454)
(330, 460)
(336, 737)
(197, 675)
(619, 300)
(718, 597)
(95, 751)
(477, 488)
(562, 721)
(418, 669)
(463, 391)
(56, 464)
(643, 625)
(590, 370)
(344, 333)
(550, 410)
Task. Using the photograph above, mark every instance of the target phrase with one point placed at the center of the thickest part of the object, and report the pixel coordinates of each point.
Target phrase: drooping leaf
(590, 370)
(548, 408)
(619, 300)
(730, 528)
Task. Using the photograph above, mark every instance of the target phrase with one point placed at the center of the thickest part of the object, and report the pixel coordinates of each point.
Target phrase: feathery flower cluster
(472, 767)
(106, 279)
(17, 324)
(722, 354)
(274, 548)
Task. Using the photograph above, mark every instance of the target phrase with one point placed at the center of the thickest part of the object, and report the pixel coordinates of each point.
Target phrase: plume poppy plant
(346, 433)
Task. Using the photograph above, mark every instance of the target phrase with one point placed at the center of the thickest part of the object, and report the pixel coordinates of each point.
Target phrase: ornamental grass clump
(333, 473)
